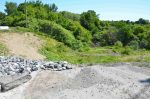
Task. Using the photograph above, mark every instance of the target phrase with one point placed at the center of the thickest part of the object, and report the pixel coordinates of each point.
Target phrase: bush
(118, 44)
(59, 33)
(8, 21)
(143, 43)
(126, 51)
(33, 24)
(75, 27)
(134, 45)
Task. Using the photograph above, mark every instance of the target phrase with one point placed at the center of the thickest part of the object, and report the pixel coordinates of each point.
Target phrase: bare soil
(22, 44)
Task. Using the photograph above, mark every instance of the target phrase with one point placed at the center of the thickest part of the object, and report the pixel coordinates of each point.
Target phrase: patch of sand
(22, 44)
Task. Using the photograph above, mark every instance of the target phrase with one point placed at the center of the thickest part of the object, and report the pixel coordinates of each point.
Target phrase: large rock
(9, 82)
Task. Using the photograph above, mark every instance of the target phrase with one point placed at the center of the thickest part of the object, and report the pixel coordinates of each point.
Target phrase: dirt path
(96, 82)
(23, 44)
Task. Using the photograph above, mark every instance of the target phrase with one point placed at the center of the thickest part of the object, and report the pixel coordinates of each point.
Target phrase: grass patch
(3, 50)
(56, 51)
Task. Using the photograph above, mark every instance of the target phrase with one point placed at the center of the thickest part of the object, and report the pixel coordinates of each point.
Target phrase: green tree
(2, 15)
(90, 21)
(69, 15)
(125, 35)
(51, 7)
(11, 7)
(8, 21)
(142, 21)
(106, 37)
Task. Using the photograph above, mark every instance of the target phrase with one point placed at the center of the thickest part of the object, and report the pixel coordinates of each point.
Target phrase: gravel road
(120, 81)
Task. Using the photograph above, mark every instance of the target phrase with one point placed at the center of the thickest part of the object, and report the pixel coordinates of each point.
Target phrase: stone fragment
(10, 82)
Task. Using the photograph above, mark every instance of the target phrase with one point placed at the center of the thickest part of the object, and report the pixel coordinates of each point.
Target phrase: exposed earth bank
(22, 44)
(117, 81)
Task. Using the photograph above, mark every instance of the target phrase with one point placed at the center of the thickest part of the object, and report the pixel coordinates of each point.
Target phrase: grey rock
(10, 82)
(10, 65)
(42, 67)
(1, 74)
(63, 68)
(68, 67)
(34, 68)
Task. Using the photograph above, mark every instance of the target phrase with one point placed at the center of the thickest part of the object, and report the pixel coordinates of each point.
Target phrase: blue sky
(108, 9)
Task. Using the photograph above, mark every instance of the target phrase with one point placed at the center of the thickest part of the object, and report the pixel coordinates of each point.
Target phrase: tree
(2, 15)
(138, 30)
(11, 7)
(22, 7)
(125, 35)
(106, 37)
(69, 15)
(90, 21)
(51, 7)
(142, 21)
(7, 21)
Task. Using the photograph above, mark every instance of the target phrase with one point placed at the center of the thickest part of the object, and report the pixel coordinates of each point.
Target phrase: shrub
(33, 24)
(7, 21)
(118, 44)
(126, 51)
(134, 45)
(59, 33)
(75, 27)
(143, 43)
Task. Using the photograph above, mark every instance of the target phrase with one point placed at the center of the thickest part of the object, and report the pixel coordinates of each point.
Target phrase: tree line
(76, 30)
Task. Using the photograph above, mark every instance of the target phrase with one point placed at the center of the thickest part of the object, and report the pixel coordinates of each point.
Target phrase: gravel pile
(12, 65)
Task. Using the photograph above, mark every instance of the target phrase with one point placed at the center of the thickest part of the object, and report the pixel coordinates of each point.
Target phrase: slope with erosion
(22, 44)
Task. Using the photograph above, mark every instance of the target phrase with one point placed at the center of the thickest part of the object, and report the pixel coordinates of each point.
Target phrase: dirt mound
(87, 77)
(22, 44)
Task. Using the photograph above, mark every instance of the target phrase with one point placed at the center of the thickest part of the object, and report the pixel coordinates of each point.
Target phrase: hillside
(22, 44)
(51, 54)
(76, 31)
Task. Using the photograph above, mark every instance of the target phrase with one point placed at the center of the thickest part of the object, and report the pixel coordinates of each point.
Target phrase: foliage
(134, 45)
(69, 15)
(59, 33)
(125, 35)
(78, 31)
(2, 15)
(8, 21)
(90, 21)
(11, 7)
(142, 21)
(118, 44)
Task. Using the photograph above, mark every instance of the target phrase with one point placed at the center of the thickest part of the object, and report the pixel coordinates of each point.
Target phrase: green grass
(57, 51)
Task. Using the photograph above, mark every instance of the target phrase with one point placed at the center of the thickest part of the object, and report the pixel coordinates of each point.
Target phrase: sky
(107, 9)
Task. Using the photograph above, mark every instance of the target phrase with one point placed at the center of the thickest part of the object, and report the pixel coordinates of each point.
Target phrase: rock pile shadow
(145, 81)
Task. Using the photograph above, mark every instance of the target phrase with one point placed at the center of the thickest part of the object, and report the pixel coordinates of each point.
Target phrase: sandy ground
(22, 44)
(95, 82)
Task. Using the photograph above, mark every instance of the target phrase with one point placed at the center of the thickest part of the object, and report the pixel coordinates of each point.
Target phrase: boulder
(9, 82)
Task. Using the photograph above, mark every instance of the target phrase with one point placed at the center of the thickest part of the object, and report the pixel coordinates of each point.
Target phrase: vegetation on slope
(83, 38)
